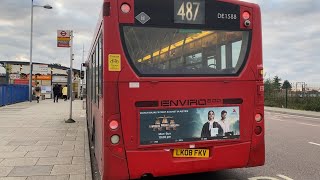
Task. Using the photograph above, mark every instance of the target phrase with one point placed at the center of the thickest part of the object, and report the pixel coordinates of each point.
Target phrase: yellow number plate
(197, 153)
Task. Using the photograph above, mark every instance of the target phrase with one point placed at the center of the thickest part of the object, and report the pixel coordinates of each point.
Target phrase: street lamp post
(30, 75)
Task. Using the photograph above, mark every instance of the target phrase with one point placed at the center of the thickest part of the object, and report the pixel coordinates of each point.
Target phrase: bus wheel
(93, 136)
(147, 176)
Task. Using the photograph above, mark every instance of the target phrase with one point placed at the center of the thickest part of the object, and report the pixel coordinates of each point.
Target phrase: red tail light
(246, 15)
(257, 130)
(258, 117)
(114, 125)
(125, 8)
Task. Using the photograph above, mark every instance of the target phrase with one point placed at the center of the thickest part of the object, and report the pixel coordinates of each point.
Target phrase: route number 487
(189, 11)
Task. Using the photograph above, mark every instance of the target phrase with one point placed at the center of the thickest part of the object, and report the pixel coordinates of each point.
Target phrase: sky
(291, 34)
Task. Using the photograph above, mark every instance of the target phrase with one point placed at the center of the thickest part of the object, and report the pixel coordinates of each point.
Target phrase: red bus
(176, 87)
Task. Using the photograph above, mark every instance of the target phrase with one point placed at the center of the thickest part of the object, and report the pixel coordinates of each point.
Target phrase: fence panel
(2, 92)
(305, 99)
(10, 94)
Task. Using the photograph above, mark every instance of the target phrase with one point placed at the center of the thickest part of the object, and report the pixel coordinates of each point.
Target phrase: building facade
(45, 75)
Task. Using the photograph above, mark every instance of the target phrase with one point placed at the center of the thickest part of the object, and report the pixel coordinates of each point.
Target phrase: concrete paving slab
(77, 177)
(19, 162)
(71, 153)
(13, 178)
(68, 169)
(12, 154)
(31, 148)
(4, 171)
(22, 142)
(36, 143)
(63, 138)
(7, 148)
(3, 142)
(61, 177)
(46, 143)
(42, 154)
(30, 170)
(55, 161)
(78, 160)
(67, 147)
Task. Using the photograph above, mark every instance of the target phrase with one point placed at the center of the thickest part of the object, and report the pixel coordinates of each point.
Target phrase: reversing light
(246, 15)
(125, 8)
(113, 124)
(247, 23)
(258, 117)
(257, 130)
(115, 139)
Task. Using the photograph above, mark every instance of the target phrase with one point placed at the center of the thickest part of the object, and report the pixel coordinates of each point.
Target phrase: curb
(87, 157)
(306, 113)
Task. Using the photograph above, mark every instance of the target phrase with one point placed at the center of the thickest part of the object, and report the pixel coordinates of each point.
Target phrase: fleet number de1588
(227, 16)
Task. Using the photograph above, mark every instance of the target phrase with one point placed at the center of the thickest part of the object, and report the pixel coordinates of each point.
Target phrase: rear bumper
(161, 162)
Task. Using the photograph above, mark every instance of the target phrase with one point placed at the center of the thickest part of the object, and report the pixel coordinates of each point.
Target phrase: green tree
(276, 83)
(286, 85)
(268, 85)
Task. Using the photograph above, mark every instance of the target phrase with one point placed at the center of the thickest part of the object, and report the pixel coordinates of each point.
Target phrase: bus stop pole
(70, 120)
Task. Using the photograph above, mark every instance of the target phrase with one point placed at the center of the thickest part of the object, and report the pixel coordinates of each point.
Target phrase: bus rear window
(185, 52)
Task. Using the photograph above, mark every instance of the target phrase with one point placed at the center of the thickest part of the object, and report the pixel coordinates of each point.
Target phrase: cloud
(290, 38)
(291, 33)
(67, 15)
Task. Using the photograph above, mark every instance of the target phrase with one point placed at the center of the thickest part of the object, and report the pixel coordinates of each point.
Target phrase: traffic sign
(63, 38)
(63, 33)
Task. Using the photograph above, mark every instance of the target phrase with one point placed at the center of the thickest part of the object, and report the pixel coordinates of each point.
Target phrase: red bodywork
(128, 159)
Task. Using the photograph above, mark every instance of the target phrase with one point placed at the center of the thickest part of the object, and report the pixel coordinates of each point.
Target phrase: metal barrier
(12, 93)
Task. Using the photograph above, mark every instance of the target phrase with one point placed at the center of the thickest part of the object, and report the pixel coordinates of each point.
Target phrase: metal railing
(304, 99)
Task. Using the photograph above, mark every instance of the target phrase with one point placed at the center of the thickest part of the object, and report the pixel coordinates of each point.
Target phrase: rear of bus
(169, 65)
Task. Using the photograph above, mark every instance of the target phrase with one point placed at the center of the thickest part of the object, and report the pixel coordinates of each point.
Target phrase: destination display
(189, 124)
(187, 14)
(189, 11)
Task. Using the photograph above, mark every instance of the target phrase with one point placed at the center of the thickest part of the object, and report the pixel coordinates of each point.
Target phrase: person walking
(56, 91)
(37, 92)
(65, 92)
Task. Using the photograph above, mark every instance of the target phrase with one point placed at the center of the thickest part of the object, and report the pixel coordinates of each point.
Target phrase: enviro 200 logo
(164, 123)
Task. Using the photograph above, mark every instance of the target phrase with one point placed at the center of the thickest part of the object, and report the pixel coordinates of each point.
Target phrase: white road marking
(263, 178)
(279, 120)
(293, 115)
(284, 177)
(314, 143)
(270, 178)
(309, 124)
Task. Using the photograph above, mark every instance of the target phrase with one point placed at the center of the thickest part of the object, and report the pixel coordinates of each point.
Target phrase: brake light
(114, 125)
(125, 8)
(257, 130)
(258, 117)
(246, 15)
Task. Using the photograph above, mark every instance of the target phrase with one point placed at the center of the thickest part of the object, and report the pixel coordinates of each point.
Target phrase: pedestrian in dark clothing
(56, 91)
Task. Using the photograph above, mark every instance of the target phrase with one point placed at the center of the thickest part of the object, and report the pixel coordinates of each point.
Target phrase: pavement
(293, 111)
(37, 144)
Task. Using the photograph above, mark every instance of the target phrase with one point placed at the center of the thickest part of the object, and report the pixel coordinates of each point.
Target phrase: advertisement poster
(190, 124)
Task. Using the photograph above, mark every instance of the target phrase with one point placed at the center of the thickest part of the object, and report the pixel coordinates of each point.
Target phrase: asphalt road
(292, 152)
